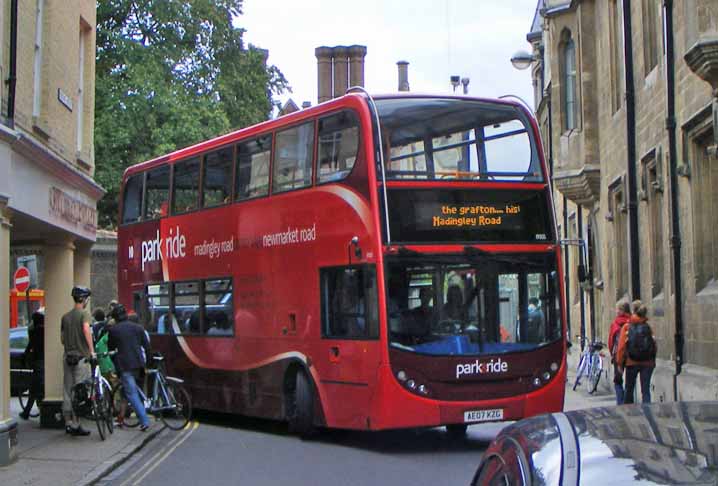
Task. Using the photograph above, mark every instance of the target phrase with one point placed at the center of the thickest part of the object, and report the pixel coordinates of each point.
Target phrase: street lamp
(522, 60)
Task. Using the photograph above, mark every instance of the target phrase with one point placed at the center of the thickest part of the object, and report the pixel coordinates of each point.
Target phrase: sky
(439, 38)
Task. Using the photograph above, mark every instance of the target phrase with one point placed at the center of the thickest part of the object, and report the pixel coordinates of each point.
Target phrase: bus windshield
(493, 303)
(447, 139)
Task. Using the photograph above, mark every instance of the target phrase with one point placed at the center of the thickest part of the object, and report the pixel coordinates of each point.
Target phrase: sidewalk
(51, 457)
(580, 399)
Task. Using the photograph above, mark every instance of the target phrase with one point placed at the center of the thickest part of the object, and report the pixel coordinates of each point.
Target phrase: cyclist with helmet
(76, 336)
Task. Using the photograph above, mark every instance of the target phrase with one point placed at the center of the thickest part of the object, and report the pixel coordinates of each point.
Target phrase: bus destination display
(464, 216)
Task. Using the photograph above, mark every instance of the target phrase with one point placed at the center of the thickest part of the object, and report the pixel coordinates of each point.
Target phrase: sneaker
(144, 427)
(80, 432)
(119, 423)
(68, 429)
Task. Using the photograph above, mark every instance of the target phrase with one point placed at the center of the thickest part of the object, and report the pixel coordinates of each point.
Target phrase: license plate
(484, 415)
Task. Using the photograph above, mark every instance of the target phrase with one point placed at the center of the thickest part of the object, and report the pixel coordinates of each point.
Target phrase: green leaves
(169, 74)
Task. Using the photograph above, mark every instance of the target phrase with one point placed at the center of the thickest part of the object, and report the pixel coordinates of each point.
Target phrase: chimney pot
(403, 68)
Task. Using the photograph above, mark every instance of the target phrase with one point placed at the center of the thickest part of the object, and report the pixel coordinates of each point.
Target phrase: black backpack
(641, 345)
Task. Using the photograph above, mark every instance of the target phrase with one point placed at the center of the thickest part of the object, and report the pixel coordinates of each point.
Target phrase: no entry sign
(22, 279)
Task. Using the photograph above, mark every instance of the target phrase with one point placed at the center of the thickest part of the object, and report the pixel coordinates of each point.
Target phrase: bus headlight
(546, 376)
(401, 375)
(411, 384)
(423, 390)
(537, 381)
(554, 367)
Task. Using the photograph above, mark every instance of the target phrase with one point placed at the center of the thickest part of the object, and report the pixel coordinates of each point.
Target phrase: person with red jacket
(637, 352)
(623, 315)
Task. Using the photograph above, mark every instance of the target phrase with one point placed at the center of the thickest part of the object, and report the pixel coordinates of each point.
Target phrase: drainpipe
(12, 78)
(581, 261)
(672, 161)
(591, 291)
(631, 153)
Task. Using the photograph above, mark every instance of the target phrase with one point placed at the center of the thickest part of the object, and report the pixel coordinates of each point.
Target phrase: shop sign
(71, 210)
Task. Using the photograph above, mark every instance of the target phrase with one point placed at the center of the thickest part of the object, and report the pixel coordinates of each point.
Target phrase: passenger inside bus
(454, 307)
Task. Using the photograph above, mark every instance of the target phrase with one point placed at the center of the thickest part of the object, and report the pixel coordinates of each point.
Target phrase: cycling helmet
(80, 293)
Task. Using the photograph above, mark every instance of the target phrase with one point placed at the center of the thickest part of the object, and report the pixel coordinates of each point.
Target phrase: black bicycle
(168, 401)
(92, 399)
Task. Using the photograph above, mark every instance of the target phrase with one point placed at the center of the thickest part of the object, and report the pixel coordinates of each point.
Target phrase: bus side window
(132, 201)
(293, 158)
(349, 303)
(217, 310)
(338, 145)
(253, 168)
(187, 307)
(158, 316)
(186, 186)
(217, 178)
(157, 193)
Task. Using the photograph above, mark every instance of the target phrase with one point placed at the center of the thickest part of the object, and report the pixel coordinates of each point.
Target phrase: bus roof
(355, 99)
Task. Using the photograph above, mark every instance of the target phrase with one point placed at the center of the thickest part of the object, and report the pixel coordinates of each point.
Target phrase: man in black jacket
(129, 339)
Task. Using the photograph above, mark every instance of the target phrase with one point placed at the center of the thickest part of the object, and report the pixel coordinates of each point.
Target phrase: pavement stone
(51, 457)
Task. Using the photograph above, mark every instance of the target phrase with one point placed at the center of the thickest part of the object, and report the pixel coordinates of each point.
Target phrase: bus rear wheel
(300, 410)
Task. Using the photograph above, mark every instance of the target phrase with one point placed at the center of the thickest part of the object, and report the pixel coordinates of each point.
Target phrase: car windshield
(448, 139)
(494, 303)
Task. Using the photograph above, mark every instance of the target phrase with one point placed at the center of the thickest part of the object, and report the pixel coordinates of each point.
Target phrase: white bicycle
(590, 365)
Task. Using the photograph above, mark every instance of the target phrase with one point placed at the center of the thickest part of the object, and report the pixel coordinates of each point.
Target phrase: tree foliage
(170, 73)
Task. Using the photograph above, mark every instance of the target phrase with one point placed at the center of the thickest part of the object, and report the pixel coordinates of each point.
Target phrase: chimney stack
(338, 68)
(324, 73)
(403, 68)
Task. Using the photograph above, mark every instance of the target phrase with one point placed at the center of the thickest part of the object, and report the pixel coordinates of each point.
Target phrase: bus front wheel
(301, 406)
(456, 431)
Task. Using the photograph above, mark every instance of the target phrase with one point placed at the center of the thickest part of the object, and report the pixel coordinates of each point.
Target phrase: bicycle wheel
(579, 371)
(107, 407)
(123, 409)
(98, 413)
(23, 397)
(178, 416)
(595, 375)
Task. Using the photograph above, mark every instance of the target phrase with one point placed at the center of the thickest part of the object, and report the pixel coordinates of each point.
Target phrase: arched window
(570, 93)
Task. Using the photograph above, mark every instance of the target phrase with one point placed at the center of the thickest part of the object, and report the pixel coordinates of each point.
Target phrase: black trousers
(632, 372)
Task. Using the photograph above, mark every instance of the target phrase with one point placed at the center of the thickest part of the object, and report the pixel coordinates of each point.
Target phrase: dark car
(20, 374)
(660, 443)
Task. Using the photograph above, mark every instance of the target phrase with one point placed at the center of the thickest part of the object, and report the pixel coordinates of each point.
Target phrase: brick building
(628, 118)
(47, 194)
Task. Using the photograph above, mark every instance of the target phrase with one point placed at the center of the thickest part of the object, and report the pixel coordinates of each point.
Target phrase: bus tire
(456, 431)
(301, 406)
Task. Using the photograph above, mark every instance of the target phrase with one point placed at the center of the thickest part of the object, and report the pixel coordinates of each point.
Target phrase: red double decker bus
(368, 263)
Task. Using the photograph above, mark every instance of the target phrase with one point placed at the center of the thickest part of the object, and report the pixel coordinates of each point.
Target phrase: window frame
(569, 46)
(317, 181)
(273, 161)
(325, 302)
(203, 175)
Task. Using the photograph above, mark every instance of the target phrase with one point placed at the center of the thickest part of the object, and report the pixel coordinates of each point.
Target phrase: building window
(652, 193)
(650, 35)
(705, 207)
(293, 158)
(615, 38)
(569, 82)
(37, 66)
(83, 83)
(617, 214)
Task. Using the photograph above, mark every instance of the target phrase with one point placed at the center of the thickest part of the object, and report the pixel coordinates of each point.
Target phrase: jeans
(618, 385)
(632, 373)
(130, 386)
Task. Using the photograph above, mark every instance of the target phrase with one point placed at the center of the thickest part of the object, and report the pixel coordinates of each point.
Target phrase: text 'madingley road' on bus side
(368, 263)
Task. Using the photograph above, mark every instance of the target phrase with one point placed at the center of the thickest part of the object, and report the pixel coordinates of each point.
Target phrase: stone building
(47, 193)
(628, 118)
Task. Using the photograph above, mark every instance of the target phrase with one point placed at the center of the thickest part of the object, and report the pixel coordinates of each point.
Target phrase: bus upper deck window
(252, 178)
(338, 145)
(157, 192)
(217, 178)
(132, 202)
(293, 158)
(186, 186)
